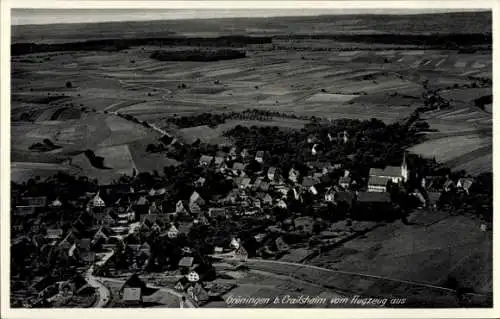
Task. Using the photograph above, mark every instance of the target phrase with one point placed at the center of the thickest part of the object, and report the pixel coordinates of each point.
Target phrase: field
(305, 77)
(431, 250)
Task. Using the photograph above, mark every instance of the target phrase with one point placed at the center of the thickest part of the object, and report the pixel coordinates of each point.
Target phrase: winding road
(103, 292)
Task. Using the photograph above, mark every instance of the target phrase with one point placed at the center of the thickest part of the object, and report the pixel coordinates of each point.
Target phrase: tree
(69, 85)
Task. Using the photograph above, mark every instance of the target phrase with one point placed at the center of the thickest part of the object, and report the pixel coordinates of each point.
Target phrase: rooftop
(186, 262)
(388, 171)
(374, 197)
(378, 181)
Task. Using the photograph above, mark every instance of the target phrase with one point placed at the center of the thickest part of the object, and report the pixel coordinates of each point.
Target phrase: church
(379, 178)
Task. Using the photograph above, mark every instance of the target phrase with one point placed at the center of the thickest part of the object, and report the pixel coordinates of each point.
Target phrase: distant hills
(479, 22)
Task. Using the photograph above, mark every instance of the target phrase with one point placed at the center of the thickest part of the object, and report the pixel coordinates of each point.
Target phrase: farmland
(320, 76)
(434, 248)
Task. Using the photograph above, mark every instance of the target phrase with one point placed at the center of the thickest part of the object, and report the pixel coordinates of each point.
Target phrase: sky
(51, 16)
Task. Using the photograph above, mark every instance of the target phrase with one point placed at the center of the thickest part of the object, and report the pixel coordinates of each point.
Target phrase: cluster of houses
(105, 218)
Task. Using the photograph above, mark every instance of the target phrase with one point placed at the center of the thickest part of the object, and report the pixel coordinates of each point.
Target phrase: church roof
(388, 171)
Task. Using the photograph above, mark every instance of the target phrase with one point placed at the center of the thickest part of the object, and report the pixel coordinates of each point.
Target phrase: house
(283, 190)
(267, 200)
(96, 202)
(145, 249)
(344, 197)
(238, 168)
(200, 182)
(180, 208)
(257, 182)
(281, 204)
(195, 209)
(433, 198)
(281, 246)
(56, 203)
(243, 182)
(309, 183)
(172, 232)
(182, 284)
(84, 244)
(40, 201)
(314, 150)
(374, 202)
(260, 237)
(304, 224)
(217, 212)
(218, 160)
(465, 184)
(271, 172)
(259, 157)
(54, 233)
(234, 244)
(196, 199)
(345, 182)
(378, 184)
(24, 210)
(240, 253)
(330, 195)
(132, 290)
(232, 153)
(344, 137)
(206, 160)
(186, 264)
(448, 185)
(244, 154)
(264, 186)
(293, 175)
(394, 173)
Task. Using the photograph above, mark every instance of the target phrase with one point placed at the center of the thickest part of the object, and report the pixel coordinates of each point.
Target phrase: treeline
(121, 44)
(212, 120)
(437, 41)
(198, 55)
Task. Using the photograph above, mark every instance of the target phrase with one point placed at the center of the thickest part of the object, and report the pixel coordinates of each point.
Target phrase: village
(72, 242)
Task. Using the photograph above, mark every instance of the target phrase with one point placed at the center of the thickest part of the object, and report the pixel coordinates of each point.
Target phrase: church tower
(404, 169)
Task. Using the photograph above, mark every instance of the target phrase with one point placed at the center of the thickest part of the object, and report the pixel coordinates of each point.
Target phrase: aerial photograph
(295, 158)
